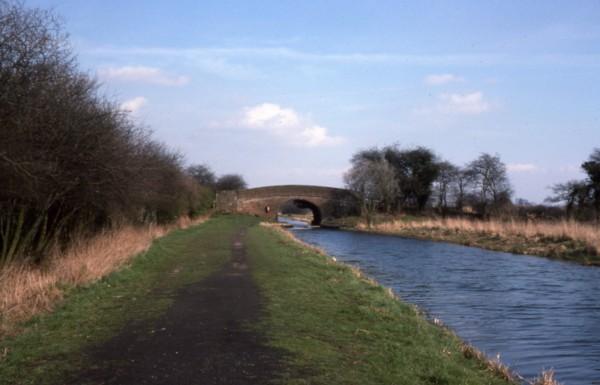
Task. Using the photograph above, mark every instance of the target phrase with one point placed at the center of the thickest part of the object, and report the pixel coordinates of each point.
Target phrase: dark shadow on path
(201, 339)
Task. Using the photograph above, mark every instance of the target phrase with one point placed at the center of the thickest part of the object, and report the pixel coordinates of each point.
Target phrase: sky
(284, 92)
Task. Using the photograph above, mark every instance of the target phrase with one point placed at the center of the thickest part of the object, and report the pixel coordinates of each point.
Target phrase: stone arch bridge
(324, 202)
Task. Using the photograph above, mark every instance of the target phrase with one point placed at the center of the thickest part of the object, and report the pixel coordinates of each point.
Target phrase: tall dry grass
(559, 230)
(27, 290)
(546, 378)
(501, 370)
(493, 365)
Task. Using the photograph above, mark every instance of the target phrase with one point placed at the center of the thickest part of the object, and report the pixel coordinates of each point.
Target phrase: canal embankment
(55, 345)
(330, 315)
(537, 313)
(320, 322)
(562, 240)
(28, 289)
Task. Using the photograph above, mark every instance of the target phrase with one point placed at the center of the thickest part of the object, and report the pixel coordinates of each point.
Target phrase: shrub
(71, 161)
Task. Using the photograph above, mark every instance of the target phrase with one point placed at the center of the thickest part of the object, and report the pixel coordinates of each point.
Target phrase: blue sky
(286, 91)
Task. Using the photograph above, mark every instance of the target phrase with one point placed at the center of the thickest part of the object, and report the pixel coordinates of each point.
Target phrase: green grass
(337, 328)
(341, 329)
(54, 344)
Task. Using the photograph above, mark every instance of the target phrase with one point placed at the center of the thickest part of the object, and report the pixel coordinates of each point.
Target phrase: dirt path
(201, 339)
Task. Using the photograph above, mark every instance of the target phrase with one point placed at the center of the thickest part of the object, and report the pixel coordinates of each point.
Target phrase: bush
(70, 160)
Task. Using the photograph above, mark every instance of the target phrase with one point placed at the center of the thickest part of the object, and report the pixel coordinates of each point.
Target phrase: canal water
(535, 312)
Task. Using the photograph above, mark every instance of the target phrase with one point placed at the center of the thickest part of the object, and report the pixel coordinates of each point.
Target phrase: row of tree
(391, 178)
(581, 197)
(205, 176)
(71, 161)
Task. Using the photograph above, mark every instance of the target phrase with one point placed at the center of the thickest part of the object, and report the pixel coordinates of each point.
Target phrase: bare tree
(69, 158)
(592, 168)
(203, 175)
(488, 174)
(374, 181)
(575, 195)
(445, 183)
(464, 181)
(415, 171)
(581, 197)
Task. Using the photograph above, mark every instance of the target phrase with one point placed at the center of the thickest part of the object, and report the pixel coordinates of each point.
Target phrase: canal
(535, 312)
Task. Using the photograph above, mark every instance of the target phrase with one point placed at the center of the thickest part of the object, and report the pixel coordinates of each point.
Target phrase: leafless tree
(592, 169)
(575, 194)
(374, 181)
(203, 175)
(445, 183)
(69, 158)
(488, 175)
(464, 181)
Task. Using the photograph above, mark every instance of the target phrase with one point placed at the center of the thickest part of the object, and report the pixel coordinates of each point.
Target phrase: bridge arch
(305, 204)
(325, 202)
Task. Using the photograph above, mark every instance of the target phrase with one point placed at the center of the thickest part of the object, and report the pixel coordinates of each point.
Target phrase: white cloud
(469, 104)
(522, 167)
(134, 105)
(271, 117)
(472, 103)
(441, 79)
(288, 125)
(143, 74)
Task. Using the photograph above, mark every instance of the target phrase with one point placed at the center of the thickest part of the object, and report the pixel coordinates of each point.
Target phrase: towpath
(206, 337)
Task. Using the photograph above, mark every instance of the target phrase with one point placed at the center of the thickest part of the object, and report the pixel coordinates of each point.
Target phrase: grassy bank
(52, 345)
(336, 326)
(28, 289)
(564, 240)
(344, 329)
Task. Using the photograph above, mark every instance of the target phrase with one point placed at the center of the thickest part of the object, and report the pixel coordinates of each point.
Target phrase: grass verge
(53, 345)
(342, 328)
(28, 289)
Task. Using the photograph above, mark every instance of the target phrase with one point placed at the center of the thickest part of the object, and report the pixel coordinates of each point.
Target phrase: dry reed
(494, 365)
(533, 230)
(546, 378)
(27, 290)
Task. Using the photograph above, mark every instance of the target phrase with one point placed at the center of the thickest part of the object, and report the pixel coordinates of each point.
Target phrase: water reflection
(293, 224)
(537, 313)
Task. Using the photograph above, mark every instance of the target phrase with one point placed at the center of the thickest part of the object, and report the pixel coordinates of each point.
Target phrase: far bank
(562, 240)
